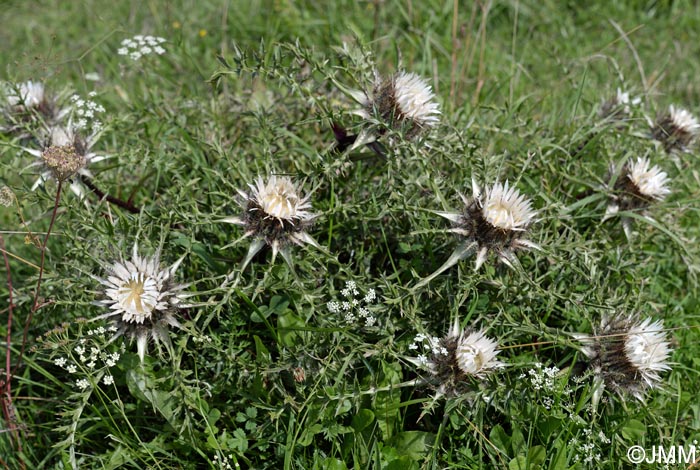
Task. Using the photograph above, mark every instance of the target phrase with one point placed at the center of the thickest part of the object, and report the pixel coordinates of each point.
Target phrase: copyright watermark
(663, 454)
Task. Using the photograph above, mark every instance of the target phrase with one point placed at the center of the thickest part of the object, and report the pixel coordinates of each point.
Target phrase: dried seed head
(63, 161)
(7, 197)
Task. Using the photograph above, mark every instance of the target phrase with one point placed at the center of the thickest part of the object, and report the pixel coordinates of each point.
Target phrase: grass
(262, 375)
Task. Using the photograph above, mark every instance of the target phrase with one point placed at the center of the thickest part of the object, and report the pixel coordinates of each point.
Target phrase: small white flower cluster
(223, 463)
(84, 111)
(140, 46)
(588, 449)
(542, 378)
(352, 307)
(90, 352)
(427, 344)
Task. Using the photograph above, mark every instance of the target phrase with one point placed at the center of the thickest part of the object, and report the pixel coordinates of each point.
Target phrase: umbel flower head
(495, 220)
(457, 359)
(64, 155)
(636, 188)
(274, 214)
(404, 101)
(627, 355)
(142, 298)
(676, 129)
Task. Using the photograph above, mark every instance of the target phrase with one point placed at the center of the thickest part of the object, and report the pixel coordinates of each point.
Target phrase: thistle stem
(35, 302)
(127, 205)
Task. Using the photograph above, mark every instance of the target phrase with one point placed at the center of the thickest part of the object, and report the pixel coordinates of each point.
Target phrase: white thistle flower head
(461, 357)
(28, 95)
(495, 220)
(649, 183)
(28, 103)
(636, 188)
(275, 215)
(506, 209)
(627, 355)
(142, 298)
(676, 129)
(404, 101)
(619, 106)
(65, 154)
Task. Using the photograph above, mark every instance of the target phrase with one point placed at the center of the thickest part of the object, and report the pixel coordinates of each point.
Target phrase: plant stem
(111, 199)
(35, 303)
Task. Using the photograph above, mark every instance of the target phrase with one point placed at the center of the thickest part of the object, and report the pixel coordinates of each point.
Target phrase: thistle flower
(619, 107)
(143, 299)
(626, 355)
(457, 358)
(676, 129)
(404, 101)
(496, 220)
(636, 188)
(65, 154)
(275, 215)
(25, 99)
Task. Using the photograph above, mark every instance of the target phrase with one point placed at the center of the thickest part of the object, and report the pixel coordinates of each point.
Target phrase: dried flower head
(65, 154)
(275, 215)
(627, 355)
(403, 101)
(7, 197)
(143, 298)
(62, 161)
(636, 188)
(620, 106)
(676, 129)
(496, 220)
(458, 358)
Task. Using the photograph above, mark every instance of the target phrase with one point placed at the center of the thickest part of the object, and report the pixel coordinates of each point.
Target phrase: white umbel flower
(496, 220)
(403, 101)
(65, 140)
(636, 188)
(275, 215)
(142, 298)
(627, 355)
(676, 129)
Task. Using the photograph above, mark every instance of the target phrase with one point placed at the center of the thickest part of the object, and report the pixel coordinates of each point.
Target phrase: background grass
(519, 83)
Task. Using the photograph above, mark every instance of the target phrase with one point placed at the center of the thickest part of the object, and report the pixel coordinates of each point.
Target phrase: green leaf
(386, 404)
(414, 444)
(362, 420)
(262, 355)
(334, 464)
(634, 430)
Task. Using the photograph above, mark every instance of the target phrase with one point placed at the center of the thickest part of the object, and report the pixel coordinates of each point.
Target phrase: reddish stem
(35, 303)
(7, 407)
(111, 199)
